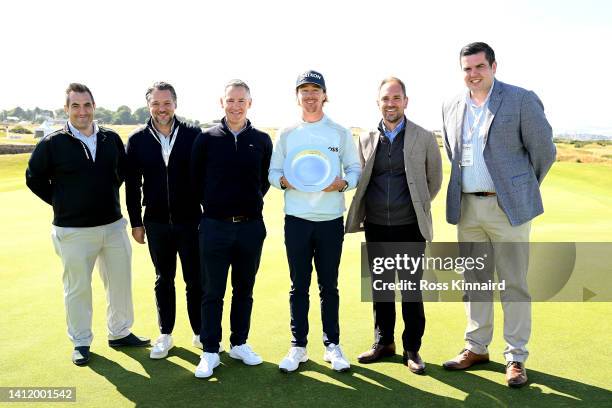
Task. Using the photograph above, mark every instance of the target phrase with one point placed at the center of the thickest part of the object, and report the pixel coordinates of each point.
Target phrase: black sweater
(388, 200)
(168, 197)
(83, 192)
(230, 174)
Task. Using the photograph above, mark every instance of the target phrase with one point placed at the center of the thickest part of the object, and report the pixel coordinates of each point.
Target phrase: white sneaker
(198, 344)
(245, 353)
(161, 347)
(293, 359)
(335, 356)
(208, 362)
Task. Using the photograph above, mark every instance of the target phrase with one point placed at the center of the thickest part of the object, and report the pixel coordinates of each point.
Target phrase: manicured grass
(570, 348)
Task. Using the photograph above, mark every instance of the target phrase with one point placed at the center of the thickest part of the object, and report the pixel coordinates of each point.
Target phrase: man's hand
(138, 233)
(286, 183)
(336, 185)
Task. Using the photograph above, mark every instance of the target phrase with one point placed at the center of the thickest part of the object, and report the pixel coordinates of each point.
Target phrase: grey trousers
(482, 220)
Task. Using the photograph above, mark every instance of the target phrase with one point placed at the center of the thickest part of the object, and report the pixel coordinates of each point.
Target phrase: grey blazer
(423, 165)
(518, 151)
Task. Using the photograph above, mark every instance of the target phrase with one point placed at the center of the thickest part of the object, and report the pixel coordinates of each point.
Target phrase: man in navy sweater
(230, 173)
(159, 154)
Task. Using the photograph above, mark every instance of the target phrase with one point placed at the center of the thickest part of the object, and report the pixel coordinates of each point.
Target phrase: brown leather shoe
(466, 359)
(413, 360)
(377, 352)
(516, 374)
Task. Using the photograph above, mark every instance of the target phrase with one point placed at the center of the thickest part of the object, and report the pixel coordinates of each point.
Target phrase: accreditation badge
(467, 155)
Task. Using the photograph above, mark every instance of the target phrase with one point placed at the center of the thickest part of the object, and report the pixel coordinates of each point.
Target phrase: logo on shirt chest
(334, 149)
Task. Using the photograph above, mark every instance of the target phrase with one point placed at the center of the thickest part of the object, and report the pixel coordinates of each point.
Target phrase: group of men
(203, 197)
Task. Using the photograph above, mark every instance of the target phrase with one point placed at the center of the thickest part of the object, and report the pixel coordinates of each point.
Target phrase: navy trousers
(224, 244)
(165, 241)
(320, 241)
(413, 312)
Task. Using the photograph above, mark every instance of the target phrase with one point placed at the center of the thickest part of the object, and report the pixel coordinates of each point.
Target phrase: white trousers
(79, 248)
(482, 220)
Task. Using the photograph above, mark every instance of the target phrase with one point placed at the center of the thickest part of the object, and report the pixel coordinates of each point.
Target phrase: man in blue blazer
(500, 147)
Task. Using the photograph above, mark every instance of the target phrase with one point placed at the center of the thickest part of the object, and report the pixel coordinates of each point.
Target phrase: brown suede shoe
(377, 352)
(516, 374)
(413, 360)
(466, 359)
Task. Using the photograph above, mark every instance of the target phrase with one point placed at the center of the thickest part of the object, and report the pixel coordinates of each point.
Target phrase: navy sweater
(166, 191)
(230, 174)
(83, 192)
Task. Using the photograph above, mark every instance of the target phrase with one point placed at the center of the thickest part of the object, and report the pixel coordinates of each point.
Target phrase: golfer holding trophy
(314, 162)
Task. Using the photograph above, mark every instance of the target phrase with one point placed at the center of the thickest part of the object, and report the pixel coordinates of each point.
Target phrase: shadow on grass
(542, 390)
(233, 384)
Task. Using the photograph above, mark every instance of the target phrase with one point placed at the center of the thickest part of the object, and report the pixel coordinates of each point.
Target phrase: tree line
(122, 116)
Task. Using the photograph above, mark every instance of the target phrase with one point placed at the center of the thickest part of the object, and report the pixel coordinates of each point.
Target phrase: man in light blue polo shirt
(313, 223)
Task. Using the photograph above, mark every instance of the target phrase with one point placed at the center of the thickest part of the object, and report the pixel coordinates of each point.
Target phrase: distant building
(58, 122)
(45, 128)
(42, 118)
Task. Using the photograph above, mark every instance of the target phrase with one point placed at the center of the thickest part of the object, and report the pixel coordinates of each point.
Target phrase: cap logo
(311, 74)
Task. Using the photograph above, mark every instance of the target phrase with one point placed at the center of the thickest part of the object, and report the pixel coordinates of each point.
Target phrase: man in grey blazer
(402, 173)
(500, 147)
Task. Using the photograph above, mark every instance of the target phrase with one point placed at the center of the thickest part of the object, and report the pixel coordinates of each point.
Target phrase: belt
(237, 218)
(483, 194)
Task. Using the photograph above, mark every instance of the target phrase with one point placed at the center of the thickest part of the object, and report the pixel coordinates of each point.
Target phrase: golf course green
(571, 354)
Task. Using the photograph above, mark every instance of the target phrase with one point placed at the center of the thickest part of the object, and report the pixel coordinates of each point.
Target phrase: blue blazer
(518, 151)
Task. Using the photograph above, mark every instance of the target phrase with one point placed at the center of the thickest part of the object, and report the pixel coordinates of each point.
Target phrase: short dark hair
(80, 88)
(477, 47)
(238, 83)
(161, 86)
(392, 79)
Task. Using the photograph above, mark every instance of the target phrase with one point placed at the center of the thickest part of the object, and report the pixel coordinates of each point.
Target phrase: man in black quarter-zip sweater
(230, 173)
(78, 170)
(158, 166)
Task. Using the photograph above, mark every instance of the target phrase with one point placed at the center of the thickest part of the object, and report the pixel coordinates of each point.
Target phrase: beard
(163, 122)
(394, 118)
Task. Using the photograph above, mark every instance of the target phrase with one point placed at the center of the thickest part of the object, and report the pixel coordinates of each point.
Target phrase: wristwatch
(343, 189)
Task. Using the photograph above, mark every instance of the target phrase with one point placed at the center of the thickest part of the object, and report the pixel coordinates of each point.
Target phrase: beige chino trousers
(482, 220)
(79, 248)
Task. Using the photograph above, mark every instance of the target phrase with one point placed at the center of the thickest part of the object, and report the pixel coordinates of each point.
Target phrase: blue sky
(559, 49)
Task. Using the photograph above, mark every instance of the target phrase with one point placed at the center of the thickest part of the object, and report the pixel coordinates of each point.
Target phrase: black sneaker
(80, 355)
(130, 340)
